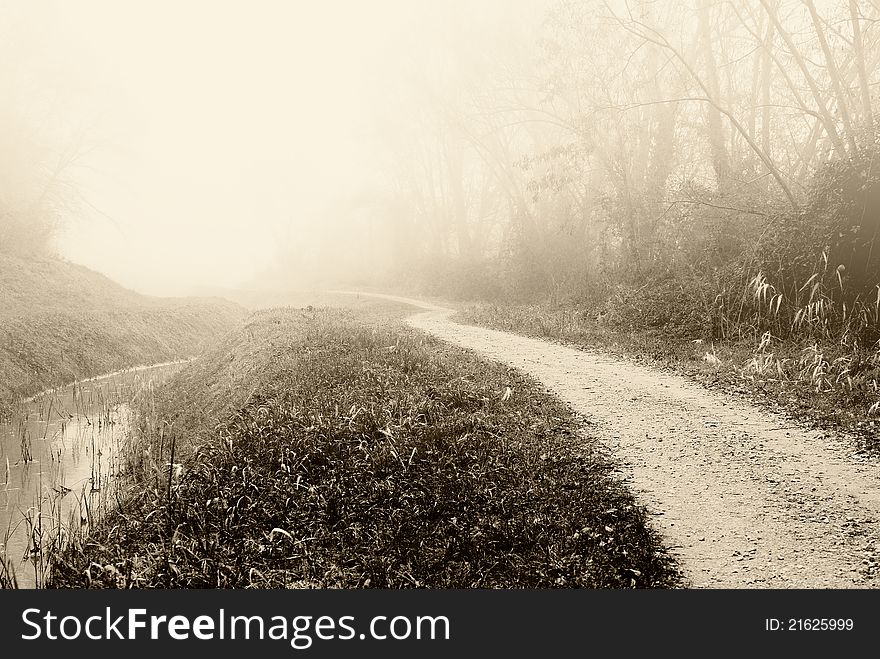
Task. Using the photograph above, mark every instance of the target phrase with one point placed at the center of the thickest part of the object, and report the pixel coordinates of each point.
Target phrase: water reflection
(59, 458)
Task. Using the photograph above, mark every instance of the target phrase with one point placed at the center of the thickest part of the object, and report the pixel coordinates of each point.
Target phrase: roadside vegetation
(339, 448)
(788, 313)
(692, 181)
(60, 322)
(789, 317)
(829, 384)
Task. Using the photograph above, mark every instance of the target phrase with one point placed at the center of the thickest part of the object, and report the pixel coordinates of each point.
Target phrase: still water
(59, 464)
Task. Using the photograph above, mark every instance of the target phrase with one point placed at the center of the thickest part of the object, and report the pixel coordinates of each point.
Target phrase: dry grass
(60, 322)
(813, 373)
(324, 448)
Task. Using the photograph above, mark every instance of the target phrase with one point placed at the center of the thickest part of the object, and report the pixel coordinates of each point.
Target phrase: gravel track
(743, 498)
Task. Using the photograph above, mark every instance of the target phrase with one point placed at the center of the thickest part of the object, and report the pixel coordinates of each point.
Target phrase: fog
(444, 200)
(217, 125)
(208, 134)
(530, 147)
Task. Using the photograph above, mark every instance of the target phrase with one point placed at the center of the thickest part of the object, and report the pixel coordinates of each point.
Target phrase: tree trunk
(717, 142)
(834, 75)
(859, 54)
(766, 144)
(827, 119)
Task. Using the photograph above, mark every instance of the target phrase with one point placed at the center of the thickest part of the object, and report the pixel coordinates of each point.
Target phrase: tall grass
(820, 308)
(75, 459)
(836, 331)
(810, 346)
(318, 449)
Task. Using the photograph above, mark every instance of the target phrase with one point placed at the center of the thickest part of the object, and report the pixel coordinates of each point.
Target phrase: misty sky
(211, 132)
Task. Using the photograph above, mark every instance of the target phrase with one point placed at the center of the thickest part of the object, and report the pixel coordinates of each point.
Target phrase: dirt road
(744, 498)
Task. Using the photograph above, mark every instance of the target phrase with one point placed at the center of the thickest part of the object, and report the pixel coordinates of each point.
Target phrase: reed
(51, 514)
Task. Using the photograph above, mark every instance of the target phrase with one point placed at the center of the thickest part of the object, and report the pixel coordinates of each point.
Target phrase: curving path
(742, 497)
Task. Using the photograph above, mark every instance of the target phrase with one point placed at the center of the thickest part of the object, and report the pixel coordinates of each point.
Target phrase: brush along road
(742, 497)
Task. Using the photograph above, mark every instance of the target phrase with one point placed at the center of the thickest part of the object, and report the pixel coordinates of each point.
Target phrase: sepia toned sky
(216, 122)
(211, 131)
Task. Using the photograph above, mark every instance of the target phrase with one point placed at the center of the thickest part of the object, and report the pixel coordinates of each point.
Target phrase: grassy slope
(60, 321)
(842, 404)
(332, 448)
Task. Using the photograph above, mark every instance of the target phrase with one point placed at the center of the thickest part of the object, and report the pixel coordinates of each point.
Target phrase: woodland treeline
(707, 165)
(31, 190)
(38, 147)
(699, 164)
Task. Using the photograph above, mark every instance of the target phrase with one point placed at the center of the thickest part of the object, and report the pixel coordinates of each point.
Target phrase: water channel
(60, 459)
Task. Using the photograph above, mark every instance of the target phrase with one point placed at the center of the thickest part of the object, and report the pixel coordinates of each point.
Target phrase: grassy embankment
(60, 322)
(339, 448)
(829, 384)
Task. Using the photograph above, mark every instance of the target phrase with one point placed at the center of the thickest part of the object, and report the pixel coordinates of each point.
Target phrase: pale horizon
(212, 134)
